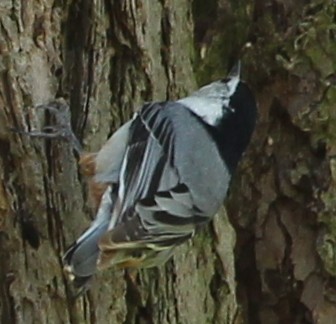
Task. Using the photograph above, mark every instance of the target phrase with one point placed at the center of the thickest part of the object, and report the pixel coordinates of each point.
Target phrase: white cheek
(209, 109)
(213, 114)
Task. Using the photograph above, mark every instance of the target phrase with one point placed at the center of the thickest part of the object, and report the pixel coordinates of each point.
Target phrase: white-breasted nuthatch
(161, 175)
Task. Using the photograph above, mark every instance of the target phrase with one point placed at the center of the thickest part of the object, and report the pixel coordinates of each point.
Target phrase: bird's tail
(80, 260)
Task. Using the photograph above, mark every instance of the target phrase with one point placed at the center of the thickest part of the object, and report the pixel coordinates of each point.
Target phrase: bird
(162, 175)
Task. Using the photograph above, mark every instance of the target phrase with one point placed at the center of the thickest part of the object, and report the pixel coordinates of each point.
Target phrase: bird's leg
(62, 128)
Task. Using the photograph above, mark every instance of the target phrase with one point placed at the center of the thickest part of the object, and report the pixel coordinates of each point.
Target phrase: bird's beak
(235, 71)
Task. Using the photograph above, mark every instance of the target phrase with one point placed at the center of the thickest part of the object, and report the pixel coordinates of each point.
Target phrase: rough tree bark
(108, 57)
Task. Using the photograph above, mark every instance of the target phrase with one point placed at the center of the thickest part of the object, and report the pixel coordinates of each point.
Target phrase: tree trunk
(106, 58)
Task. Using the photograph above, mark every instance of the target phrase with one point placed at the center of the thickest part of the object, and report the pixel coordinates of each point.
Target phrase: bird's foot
(62, 128)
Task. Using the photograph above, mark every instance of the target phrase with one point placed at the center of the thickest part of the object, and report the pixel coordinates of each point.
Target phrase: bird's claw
(62, 128)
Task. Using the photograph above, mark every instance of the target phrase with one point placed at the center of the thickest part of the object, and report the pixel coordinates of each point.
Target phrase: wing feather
(150, 188)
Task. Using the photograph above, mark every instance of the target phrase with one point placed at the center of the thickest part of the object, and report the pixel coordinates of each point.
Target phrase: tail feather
(80, 260)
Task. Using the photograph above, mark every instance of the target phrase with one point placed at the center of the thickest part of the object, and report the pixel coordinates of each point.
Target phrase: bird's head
(221, 99)
(221, 90)
(228, 106)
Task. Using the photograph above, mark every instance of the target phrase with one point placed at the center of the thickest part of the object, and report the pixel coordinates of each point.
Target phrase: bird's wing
(170, 178)
(153, 205)
(109, 159)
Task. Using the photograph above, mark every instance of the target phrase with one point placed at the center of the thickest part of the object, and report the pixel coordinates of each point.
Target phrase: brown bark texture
(274, 261)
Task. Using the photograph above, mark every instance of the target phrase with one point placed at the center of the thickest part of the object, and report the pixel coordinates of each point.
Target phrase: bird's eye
(229, 108)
